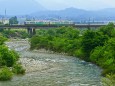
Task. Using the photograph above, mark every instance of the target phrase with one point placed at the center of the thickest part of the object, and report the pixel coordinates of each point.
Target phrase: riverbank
(8, 62)
(96, 46)
(48, 69)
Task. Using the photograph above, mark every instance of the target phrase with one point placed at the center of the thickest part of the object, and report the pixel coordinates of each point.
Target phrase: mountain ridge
(79, 14)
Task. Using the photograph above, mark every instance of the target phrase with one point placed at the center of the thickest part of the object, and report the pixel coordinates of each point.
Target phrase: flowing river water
(44, 68)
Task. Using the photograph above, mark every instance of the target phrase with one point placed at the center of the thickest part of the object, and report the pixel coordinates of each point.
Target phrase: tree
(13, 20)
(105, 56)
(92, 39)
(107, 30)
(7, 57)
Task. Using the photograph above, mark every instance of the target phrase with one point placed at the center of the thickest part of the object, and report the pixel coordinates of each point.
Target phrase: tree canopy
(13, 20)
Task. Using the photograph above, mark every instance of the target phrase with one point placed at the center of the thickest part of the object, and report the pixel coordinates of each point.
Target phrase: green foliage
(105, 56)
(7, 57)
(79, 53)
(38, 42)
(109, 80)
(15, 33)
(13, 20)
(5, 74)
(2, 39)
(18, 69)
(59, 40)
(1, 29)
(92, 39)
(97, 46)
(113, 33)
(107, 30)
(96, 54)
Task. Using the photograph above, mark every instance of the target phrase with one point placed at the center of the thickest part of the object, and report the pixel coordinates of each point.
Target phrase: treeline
(14, 33)
(97, 46)
(8, 62)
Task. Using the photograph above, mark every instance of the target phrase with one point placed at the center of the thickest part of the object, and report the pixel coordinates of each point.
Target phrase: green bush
(15, 33)
(109, 80)
(92, 39)
(109, 69)
(108, 30)
(79, 53)
(104, 56)
(7, 57)
(97, 46)
(5, 74)
(2, 39)
(96, 54)
(18, 69)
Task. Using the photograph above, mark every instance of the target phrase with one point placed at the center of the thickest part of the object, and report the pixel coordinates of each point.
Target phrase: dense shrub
(59, 40)
(107, 30)
(105, 56)
(109, 80)
(18, 69)
(7, 57)
(92, 39)
(2, 39)
(79, 53)
(14, 33)
(97, 46)
(5, 74)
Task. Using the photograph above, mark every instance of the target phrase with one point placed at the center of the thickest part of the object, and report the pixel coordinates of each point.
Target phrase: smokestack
(5, 13)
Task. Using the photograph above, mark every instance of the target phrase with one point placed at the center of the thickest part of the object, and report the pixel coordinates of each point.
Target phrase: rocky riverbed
(43, 68)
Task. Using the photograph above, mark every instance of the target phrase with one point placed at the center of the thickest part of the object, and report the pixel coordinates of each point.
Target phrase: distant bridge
(31, 28)
(53, 26)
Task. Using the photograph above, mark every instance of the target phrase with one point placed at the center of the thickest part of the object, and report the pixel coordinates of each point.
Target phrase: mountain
(107, 14)
(19, 7)
(78, 14)
(34, 9)
(66, 13)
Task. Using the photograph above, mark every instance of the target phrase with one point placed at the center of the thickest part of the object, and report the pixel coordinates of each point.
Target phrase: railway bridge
(31, 29)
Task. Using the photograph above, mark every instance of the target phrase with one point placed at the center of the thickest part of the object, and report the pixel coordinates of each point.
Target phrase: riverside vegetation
(14, 33)
(97, 46)
(8, 62)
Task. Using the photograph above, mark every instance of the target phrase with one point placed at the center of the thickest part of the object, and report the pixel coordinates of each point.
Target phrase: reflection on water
(46, 69)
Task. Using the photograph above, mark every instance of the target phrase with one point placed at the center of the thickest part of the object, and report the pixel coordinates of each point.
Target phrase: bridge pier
(34, 31)
(31, 31)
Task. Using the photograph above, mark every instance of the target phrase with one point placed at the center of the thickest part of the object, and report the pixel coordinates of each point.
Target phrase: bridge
(31, 28)
(53, 26)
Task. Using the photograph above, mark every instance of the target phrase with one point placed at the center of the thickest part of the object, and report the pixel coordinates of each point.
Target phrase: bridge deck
(52, 26)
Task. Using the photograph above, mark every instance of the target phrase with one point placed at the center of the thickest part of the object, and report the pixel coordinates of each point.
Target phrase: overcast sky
(82, 4)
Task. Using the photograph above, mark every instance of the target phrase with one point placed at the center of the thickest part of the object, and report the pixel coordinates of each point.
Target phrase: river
(44, 68)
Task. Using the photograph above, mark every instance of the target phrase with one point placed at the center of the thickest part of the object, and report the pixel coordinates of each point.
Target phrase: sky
(20, 7)
(81, 4)
(30, 6)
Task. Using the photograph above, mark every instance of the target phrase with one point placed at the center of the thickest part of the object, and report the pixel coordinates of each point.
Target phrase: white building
(4, 21)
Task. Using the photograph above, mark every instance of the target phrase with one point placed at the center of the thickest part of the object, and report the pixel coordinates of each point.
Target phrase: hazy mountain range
(78, 14)
(34, 9)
